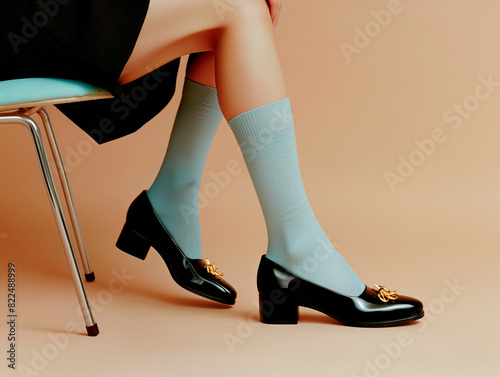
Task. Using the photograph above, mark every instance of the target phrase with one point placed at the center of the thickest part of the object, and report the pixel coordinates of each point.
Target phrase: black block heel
(132, 242)
(278, 308)
(143, 229)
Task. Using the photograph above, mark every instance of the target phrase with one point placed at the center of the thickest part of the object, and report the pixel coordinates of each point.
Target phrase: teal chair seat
(45, 91)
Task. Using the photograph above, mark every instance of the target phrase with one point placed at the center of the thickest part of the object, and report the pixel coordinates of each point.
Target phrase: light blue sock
(296, 240)
(174, 193)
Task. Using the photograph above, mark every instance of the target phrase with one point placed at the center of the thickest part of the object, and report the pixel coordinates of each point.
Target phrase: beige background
(437, 228)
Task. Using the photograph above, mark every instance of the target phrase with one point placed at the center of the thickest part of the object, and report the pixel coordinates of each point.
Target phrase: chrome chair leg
(75, 223)
(91, 325)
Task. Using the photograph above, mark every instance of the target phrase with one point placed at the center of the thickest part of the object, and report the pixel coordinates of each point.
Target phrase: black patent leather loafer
(281, 293)
(144, 229)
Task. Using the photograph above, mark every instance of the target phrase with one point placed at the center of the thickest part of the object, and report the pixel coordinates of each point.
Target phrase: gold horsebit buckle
(211, 269)
(384, 294)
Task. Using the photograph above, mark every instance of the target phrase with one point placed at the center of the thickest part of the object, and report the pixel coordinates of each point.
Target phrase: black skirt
(91, 41)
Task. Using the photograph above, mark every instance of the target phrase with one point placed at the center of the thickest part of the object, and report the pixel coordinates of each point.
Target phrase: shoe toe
(373, 311)
(412, 307)
(210, 285)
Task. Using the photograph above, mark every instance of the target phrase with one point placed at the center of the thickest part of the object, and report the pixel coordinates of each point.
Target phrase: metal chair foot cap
(90, 277)
(93, 330)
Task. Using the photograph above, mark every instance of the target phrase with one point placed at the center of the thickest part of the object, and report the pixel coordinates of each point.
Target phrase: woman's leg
(252, 96)
(201, 68)
(242, 39)
(174, 193)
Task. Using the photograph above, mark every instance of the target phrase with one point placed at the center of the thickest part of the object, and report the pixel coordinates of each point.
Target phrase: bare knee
(242, 12)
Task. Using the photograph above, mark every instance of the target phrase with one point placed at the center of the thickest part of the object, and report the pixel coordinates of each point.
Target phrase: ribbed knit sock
(174, 193)
(296, 240)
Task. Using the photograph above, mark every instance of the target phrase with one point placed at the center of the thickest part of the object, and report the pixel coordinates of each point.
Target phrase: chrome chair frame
(21, 114)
